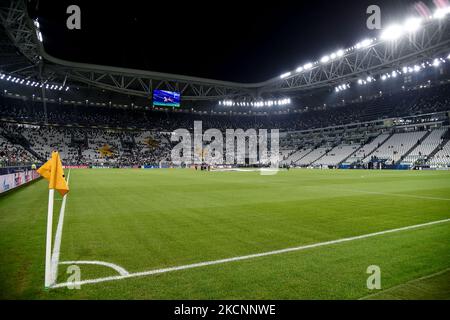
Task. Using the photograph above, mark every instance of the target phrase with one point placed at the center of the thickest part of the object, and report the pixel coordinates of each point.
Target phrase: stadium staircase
(304, 156)
(128, 145)
(323, 155)
(413, 147)
(445, 139)
(23, 142)
(80, 143)
(354, 152)
(366, 143)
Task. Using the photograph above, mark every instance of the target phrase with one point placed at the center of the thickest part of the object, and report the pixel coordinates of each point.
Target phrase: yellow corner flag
(53, 171)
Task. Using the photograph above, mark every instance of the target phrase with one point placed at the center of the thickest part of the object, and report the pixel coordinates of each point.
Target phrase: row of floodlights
(31, 83)
(414, 69)
(342, 87)
(392, 32)
(258, 104)
(38, 31)
(405, 70)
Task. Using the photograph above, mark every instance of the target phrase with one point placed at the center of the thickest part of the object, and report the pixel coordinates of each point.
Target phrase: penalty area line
(247, 257)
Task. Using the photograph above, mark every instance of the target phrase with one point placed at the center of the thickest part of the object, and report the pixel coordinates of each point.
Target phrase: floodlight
(360, 81)
(299, 69)
(413, 24)
(436, 63)
(285, 75)
(363, 44)
(307, 66)
(333, 56)
(39, 36)
(394, 74)
(417, 68)
(325, 59)
(441, 13)
(340, 53)
(392, 32)
(383, 77)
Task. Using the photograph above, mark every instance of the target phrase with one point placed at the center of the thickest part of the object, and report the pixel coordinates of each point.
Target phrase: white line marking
(396, 194)
(252, 256)
(58, 236)
(119, 269)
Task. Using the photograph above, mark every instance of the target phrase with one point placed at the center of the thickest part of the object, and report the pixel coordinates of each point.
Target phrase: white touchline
(58, 236)
(252, 256)
(396, 194)
(387, 194)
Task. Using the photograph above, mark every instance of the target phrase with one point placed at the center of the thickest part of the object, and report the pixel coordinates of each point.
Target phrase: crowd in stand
(12, 154)
(84, 146)
(135, 137)
(385, 106)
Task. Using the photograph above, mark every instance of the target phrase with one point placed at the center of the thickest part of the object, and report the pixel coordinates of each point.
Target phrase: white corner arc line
(247, 257)
(119, 269)
(58, 236)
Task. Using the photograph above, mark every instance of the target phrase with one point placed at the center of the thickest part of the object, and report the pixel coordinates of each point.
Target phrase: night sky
(244, 41)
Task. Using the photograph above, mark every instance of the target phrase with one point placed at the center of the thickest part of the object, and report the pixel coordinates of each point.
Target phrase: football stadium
(329, 180)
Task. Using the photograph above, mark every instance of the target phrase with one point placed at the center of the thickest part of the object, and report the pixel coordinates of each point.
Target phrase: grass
(433, 287)
(143, 220)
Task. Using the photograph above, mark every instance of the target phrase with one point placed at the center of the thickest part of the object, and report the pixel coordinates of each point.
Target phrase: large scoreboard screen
(166, 98)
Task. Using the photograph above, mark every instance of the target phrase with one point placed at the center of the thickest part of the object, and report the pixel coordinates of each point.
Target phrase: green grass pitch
(149, 219)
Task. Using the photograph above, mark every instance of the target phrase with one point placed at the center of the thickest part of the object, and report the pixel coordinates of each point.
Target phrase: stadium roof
(375, 57)
(228, 41)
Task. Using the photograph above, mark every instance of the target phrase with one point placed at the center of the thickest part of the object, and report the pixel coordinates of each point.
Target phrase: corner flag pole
(53, 171)
(48, 248)
(51, 197)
